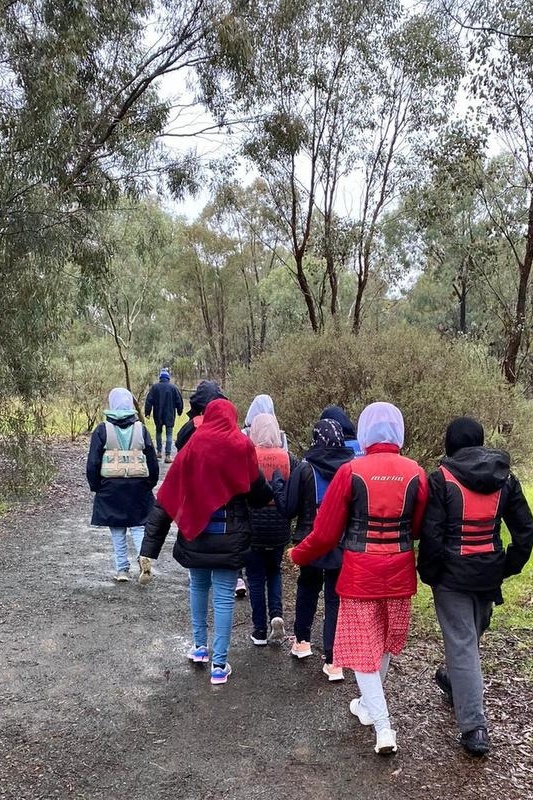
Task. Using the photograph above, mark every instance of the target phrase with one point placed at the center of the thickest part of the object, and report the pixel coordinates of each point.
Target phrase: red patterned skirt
(366, 629)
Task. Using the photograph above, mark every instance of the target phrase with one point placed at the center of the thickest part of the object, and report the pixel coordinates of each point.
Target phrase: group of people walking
(358, 505)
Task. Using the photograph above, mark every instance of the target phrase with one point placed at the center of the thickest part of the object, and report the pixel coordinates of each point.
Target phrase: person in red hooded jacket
(373, 509)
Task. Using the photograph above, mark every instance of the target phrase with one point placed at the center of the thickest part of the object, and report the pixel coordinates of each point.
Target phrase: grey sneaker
(122, 576)
(277, 630)
(145, 566)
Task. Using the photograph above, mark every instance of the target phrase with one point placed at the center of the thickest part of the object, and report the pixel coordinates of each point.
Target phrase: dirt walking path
(98, 701)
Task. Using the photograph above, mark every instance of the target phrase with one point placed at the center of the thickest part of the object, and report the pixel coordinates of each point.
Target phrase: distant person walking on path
(463, 559)
(270, 533)
(348, 428)
(207, 491)
(301, 496)
(262, 404)
(122, 470)
(165, 401)
(205, 392)
(373, 507)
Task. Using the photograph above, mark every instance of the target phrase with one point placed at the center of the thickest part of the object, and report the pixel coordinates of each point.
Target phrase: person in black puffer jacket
(463, 559)
(270, 533)
(301, 497)
(208, 491)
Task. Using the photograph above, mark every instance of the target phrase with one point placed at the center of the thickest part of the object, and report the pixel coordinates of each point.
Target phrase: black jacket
(297, 496)
(483, 471)
(269, 527)
(211, 551)
(184, 434)
(120, 502)
(165, 400)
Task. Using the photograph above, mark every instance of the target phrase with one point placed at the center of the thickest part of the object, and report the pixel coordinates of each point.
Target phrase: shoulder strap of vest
(321, 484)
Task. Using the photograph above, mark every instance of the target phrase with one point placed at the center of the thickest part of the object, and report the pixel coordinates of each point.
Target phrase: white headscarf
(265, 431)
(380, 423)
(121, 400)
(261, 404)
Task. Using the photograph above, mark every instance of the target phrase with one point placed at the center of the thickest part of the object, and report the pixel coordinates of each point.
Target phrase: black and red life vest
(382, 506)
(474, 519)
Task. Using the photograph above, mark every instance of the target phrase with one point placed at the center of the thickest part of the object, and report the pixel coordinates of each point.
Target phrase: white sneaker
(333, 673)
(122, 576)
(360, 711)
(386, 742)
(277, 630)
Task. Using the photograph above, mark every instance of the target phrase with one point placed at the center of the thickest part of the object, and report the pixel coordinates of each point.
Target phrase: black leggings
(310, 583)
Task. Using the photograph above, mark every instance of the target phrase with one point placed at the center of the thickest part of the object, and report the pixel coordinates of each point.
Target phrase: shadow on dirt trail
(98, 700)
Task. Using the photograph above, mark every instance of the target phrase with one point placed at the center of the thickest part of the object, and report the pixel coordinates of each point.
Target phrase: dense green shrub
(430, 378)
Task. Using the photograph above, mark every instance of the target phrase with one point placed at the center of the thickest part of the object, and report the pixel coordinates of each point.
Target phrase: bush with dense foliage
(430, 378)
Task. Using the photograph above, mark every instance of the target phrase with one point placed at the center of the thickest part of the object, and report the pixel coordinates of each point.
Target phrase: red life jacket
(271, 459)
(197, 421)
(380, 515)
(474, 519)
(378, 560)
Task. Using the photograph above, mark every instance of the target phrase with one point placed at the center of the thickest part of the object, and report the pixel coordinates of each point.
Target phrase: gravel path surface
(98, 700)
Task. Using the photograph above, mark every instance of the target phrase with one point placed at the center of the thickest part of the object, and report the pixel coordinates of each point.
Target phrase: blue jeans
(263, 570)
(159, 438)
(223, 582)
(120, 545)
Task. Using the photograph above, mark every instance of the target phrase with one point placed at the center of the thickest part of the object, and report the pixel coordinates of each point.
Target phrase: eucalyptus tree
(499, 39)
(80, 118)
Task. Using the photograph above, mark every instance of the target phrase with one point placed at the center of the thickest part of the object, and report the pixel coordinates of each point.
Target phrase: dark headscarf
(463, 432)
(327, 433)
(340, 416)
(206, 391)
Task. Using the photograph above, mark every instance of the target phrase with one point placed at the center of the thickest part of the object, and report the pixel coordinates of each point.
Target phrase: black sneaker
(476, 742)
(259, 638)
(443, 682)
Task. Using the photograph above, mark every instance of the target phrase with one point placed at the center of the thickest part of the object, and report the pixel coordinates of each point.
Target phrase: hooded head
(336, 413)
(327, 433)
(206, 391)
(121, 400)
(261, 404)
(463, 432)
(380, 423)
(121, 408)
(164, 375)
(265, 432)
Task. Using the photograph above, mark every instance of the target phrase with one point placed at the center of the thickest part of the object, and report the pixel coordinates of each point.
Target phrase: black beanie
(463, 432)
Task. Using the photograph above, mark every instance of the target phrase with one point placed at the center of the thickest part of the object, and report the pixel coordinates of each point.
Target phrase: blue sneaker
(220, 674)
(200, 655)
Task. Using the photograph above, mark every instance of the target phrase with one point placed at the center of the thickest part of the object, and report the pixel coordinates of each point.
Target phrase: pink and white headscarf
(265, 431)
(380, 423)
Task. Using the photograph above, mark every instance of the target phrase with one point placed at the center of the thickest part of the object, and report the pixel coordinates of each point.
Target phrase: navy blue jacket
(120, 502)
(165, 400)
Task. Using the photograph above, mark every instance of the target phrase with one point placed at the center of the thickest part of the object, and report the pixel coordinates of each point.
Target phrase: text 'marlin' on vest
(369, 530)
(123, 456)
(474, 519)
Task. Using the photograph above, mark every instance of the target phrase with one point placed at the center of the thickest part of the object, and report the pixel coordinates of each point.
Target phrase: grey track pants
(463, 618)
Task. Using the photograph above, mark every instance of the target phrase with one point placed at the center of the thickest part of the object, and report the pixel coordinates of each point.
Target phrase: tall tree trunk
(516, 330)
(306, 291)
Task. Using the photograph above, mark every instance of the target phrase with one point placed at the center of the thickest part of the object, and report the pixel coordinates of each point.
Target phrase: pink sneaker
(333, 673)
(300, 649)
